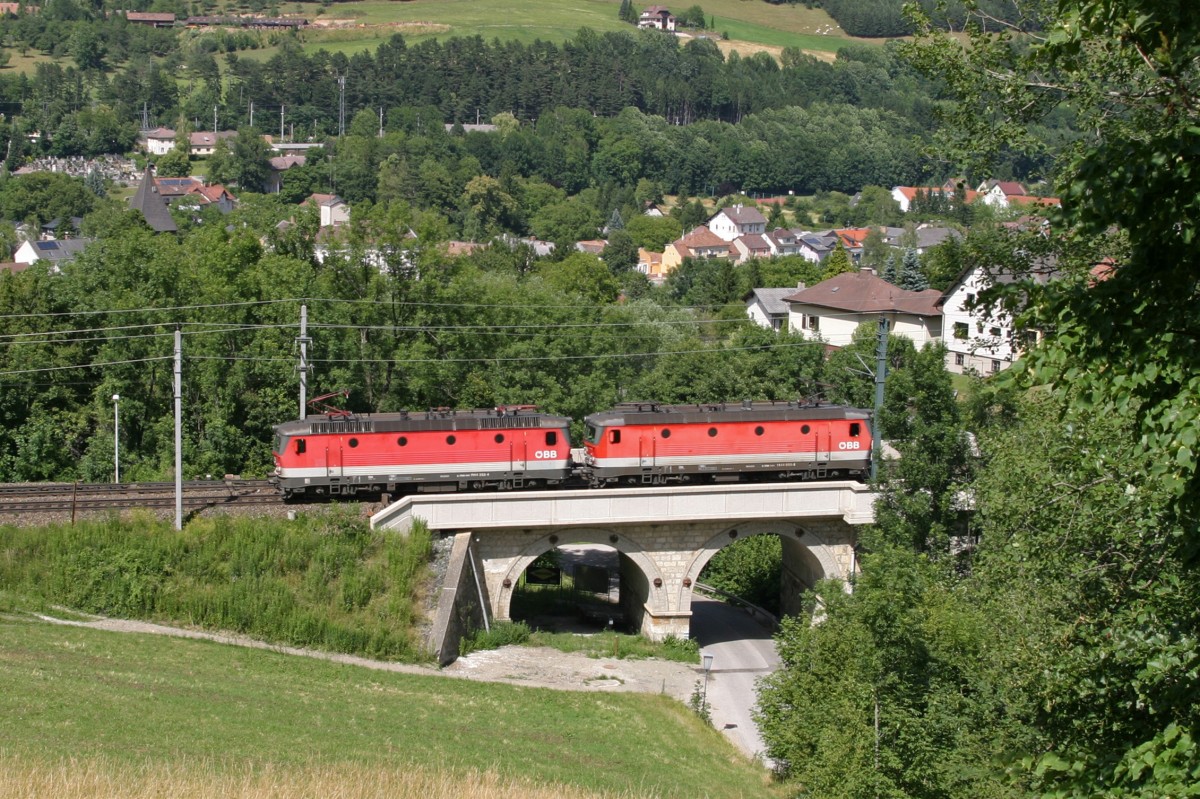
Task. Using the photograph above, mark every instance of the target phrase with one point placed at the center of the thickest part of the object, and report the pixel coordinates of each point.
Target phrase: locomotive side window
(804, 429)
(450, 439)
(614, 436)
(666, 432)
(758, 431)
(499, 438)
(353, 443)
(712, 432)
(300, 446)
(402, 441)
(551, 438)
(855, 428)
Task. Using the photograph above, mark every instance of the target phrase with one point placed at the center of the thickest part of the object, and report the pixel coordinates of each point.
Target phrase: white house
(658, 17)
(766, 307)
(159, 141)
(1000, 193)
(334, 210)
(737, 220)
(975, 340)
(204, 144)
(56, 252)
(833, 309)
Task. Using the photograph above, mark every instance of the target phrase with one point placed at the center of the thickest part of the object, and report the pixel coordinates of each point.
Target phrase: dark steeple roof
(151, 204)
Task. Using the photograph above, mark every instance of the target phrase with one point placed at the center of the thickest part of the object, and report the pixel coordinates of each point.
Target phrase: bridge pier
(664, 536)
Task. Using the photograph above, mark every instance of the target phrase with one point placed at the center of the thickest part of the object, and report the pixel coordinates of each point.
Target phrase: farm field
(356, 26)
(158, 716)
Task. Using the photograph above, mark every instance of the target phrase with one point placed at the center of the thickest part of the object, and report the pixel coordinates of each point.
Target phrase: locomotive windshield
(593, 434)
(280, 444)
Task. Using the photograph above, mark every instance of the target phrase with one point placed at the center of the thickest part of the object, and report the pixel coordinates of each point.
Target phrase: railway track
(29, 498)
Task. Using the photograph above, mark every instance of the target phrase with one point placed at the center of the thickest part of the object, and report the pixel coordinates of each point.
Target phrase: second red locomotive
(648, 443)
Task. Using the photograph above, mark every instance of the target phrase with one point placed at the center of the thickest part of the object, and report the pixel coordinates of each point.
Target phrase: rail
(82, 497)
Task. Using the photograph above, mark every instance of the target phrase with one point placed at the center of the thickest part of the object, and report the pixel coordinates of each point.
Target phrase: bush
(501, 634)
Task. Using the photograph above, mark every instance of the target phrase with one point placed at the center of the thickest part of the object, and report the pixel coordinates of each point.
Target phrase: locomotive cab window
(300, 446)
(855, 429)
(614, 436)
(551, 438)
(592, 434)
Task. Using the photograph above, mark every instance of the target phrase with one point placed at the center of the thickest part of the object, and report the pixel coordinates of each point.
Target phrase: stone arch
(630, 548)
(818, 556)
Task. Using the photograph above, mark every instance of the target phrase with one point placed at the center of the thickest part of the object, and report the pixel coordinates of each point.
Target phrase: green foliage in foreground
(70, 692)
(325, 581)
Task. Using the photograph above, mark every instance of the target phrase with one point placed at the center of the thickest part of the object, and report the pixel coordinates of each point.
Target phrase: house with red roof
(700, 243)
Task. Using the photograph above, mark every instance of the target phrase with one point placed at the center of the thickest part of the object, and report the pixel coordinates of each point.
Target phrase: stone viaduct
(664, 537)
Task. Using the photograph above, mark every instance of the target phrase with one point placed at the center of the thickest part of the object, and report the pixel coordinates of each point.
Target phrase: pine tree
(615, 222)
(95, 183)
(889, 270)
(911, 276)
(837, 262)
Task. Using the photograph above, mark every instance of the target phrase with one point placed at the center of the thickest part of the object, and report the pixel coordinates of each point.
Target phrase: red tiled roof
(701, 237)
(1029, 199)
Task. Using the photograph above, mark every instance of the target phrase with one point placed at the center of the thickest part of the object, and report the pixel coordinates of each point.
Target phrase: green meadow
(357, 26)
(80, 704)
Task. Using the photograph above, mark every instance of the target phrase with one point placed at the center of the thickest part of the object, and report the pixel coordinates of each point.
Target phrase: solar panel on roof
(49, 245)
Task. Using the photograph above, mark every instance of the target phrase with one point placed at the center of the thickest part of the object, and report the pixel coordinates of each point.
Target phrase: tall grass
(324, 581)
(76, 778)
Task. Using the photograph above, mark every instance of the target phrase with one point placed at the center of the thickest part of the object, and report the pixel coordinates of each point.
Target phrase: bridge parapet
(852, 502)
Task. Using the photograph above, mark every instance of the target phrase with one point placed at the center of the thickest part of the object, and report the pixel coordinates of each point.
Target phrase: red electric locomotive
(648, 443)
(341, 454)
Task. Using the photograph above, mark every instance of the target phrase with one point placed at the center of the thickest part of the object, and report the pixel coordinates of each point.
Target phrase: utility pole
(303, 340)
(214, 125)
(178, 429)
(281, 123)
(341, 105)
(251, 113)
(880, 377)
(145, 116)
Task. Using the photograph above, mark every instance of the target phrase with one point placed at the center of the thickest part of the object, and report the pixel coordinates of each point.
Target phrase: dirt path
(540, 667)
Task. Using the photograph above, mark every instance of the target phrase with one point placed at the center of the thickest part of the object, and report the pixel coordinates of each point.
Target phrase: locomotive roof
(654, 413)
(409, 421)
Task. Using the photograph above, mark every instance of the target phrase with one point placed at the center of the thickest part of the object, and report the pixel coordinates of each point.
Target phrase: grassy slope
(748, 21)
(142, 702)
